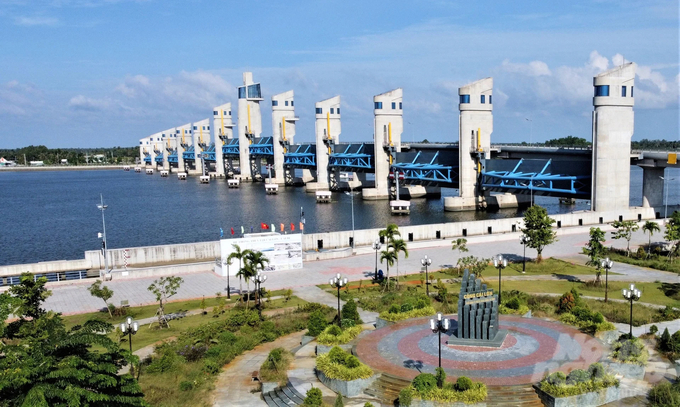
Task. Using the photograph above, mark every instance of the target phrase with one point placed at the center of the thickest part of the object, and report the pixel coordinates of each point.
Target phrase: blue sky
(88, 73)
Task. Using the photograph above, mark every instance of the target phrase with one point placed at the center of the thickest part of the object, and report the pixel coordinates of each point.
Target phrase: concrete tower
(389, 124)
(328, 131)
(249, 121)
(184, 140)
(201, 135)
(170, 136)
(223, 130)
(156, 143)
(283, 131)
(474, 137)
(143, 148)
(613, 121)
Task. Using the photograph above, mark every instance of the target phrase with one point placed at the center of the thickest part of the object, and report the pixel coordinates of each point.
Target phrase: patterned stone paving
(532, 348)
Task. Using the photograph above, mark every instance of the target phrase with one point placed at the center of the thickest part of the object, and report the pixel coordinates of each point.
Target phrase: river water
(53, 215)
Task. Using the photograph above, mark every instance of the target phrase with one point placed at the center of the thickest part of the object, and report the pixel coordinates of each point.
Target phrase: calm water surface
(53, 215)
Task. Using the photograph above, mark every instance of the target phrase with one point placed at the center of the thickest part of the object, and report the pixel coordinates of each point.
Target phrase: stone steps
(283, 397)
(386, 388)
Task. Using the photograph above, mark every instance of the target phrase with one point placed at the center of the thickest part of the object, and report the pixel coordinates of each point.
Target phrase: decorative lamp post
(258, 279)
(633, 294)
(438, 326)
(607, 265)
(102, 236)
(129, 327)
(524, 240)
(376, 247)
(425, 261)
(338, 282)
(500, 263)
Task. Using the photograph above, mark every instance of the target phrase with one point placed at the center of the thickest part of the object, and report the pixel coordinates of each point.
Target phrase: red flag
(232, 231)
(264, 226)
(282, 227)
(292, 226)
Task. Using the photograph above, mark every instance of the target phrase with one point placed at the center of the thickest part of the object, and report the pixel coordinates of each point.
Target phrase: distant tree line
(75, 156)
(644, 144)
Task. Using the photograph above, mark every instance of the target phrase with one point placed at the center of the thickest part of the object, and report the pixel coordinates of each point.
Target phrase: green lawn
(654, 262)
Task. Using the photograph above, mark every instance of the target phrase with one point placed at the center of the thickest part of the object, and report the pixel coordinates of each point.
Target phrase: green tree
(338, 401)
(460, 244)
(538, 226)
(624, 230)
(237, 254)
(44, 364)
(313, 397)
(164, 288)
(389, 256)
(350, 311)
(252, 262)
(104, 293)
(389, 233)
(399, 246)
(595, 250)
(672, 234)
(650, 227)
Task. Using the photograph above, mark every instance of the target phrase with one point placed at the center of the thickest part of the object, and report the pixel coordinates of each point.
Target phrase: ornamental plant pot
(321, 349)
(592, 399)
(627, 370)
(381, 323)
(350, 388)
(429, 403)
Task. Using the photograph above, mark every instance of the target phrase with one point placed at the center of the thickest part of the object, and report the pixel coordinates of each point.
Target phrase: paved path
(75, 298)
(234, 386)
(313, 293)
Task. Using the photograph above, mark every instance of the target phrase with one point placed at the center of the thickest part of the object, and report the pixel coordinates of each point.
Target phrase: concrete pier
(613, 120)
(652, 186)
(249, 123)
(328, 129)
(223, 130)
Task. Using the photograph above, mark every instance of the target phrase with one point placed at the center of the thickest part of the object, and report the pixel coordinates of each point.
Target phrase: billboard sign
(284, 252)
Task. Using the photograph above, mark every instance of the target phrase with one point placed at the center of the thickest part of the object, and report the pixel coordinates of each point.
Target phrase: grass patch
(654, 261)
(333, 335)
(275, 367)
(414, 313)
(338, 364)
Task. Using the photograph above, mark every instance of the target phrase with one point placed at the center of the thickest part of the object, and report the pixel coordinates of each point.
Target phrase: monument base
(495, 342)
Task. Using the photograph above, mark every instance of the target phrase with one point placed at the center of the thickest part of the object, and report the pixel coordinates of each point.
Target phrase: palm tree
(399, 245)
(650, 227)
(256, 261)
(389, 233)
(389, 256)
(238, 254)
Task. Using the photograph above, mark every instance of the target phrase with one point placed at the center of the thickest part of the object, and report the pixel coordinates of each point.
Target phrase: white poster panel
(284, 252)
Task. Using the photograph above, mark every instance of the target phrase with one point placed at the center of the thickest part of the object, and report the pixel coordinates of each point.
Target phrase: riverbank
(65, 168)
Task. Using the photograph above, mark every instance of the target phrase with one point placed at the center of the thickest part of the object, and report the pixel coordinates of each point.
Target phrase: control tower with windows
(283, 131)
(249, 121)
(223, 130)
(613, 121)
(328, 131)
(201, 132)
(389, 124)
(475, 104)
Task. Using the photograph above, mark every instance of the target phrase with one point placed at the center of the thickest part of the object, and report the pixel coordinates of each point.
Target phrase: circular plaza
(532, 348)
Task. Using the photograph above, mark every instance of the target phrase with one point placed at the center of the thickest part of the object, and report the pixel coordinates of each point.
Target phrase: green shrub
(424, 382)
(349, 311)
(463, 383)
(368, 404)
(337, 355)
(167, 362)
(333, 366)
(338, 401)
(421, 303)
(556, 378)
(577, 376)
(566, 303)
(597, 371)
(394, 309)
(210, 367)
(440, 375)
(185, 385)
(227, 337)
(400, 316)
(352, 362)
(317, 323)
(579, 388)
(347, 323)
(631, 351)
(568, 318)
(665, 341)
(653, 329)
(475, 394)
(343, 337)
(406, 307)
(513, 303)
(313, 398)
(406, 397)
(664, 394)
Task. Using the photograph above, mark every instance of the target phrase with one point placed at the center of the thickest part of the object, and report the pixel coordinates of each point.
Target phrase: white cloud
(36, 21)
(84, 103)
(533, 68)
(17, 99)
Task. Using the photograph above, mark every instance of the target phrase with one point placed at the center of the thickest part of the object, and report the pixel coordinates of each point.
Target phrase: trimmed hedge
(329, 338)
(630, 351)
(336, 367)
(414, 313)
(577, 382)
(475, 394)
(587, 325)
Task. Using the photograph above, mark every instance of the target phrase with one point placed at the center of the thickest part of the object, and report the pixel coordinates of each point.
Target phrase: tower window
(292, 103)
(319, 110)
(286, 103)
(225, 113)
(230, 113)
(464, 98)
(377, 105)
(623, 91)
(338, 109)
(394, 105)
(631, 91)
(195, 128)
(214, 112)
(483, 99)
(242, 92)
(400, 106)
(332, 111)
(254, 91)
(275, 102)
(602, 90)
(490, 99)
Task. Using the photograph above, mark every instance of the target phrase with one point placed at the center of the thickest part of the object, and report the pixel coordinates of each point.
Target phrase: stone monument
(477, 315)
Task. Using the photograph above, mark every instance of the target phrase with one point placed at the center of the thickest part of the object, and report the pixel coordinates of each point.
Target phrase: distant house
(64, 161)
(36, 163)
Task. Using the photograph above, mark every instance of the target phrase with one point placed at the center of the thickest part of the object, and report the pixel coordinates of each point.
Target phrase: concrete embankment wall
(152, 260)
(66, 168)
